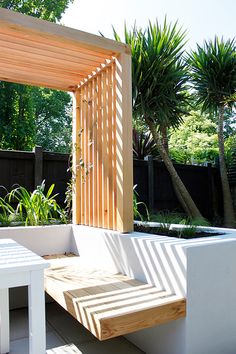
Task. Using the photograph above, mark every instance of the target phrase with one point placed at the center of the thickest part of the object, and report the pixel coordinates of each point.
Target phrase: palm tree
(160, 89)
(214, 77)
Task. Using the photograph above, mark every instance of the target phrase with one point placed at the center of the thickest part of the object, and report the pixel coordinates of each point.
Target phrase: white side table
(19, 267)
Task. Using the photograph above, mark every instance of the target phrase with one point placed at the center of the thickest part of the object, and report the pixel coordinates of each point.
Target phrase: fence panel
(153, 182)
(28, 169)
(203, 184)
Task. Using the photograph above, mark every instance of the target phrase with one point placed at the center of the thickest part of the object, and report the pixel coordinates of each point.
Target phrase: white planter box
(203, 270)
(42, 240)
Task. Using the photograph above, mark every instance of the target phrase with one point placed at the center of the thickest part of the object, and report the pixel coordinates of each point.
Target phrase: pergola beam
(14, 21)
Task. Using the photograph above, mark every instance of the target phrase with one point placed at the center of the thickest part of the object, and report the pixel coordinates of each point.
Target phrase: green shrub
(37, 208)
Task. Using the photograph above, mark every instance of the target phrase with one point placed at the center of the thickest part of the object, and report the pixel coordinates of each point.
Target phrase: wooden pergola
(98, 73)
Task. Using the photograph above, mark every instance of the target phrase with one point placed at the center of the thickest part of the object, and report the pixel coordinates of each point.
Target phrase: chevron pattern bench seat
(108, 305)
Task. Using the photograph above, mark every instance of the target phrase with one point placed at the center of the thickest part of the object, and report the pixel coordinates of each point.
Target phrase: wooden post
(38, 166)
(76, 151)
(124, 156)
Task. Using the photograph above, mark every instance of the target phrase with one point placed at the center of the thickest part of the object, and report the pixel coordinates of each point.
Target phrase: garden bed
(180, 232)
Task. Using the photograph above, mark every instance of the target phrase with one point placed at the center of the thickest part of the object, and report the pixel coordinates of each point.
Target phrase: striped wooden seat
(109, 305)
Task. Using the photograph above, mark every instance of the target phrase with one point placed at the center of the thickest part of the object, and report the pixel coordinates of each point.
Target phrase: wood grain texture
(124, 157)
(19, 23)
(41, 53)
(109, 305)
(107, 147)
(98, 71)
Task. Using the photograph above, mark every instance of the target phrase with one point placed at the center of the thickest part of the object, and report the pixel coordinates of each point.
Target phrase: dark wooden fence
(28, 169)
(154, 186)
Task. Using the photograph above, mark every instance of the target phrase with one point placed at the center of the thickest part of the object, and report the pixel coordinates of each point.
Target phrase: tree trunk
(164, 138)
(183, 195)
(229, 218)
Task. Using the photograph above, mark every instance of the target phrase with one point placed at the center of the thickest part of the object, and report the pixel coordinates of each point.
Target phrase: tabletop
(14, 256)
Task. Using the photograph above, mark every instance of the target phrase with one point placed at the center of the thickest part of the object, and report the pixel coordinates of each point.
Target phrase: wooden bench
(109, 305)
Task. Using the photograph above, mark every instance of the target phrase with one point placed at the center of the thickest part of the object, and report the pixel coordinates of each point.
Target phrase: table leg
(4, 321)
(37, 331)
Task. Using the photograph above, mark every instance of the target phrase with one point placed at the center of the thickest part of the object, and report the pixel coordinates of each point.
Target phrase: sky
(202, 19)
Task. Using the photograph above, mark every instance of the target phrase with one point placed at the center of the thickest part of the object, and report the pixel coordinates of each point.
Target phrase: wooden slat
(82, 184)
(40, 60)
(94, 151)
(16, 75)
(108, 304)
(76, 175)
(114, 145)
(104, 149)
(124, 158)
(87, 177)
(26, 25)
(109, 148)
(99, 153)
(90, 152)
(25, 45)
(86, 155)
(49, 73)
(49, 51)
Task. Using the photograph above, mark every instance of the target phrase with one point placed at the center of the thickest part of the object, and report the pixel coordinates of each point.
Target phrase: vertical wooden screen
(102, 140)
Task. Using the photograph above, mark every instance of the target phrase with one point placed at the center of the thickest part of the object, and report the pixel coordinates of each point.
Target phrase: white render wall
(202, 270)
(42, 240)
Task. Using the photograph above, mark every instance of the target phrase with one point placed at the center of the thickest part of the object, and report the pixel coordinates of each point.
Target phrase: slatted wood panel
(41, 53)
(103, 153)
(98, 71)
(109, 305)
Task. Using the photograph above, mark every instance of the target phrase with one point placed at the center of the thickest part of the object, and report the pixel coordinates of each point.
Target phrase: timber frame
(98, 73)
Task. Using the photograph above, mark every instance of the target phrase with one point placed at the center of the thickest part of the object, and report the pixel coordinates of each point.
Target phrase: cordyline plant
(213, 67)
(143, 145)
(159, 85)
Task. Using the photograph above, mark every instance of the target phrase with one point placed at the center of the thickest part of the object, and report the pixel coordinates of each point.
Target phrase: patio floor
(64, 335)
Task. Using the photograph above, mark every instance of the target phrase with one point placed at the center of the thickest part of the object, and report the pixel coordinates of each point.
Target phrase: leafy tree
(160, 89)
(17, 128)
(52, 110)
(195, 140)
(50, 10)
(34, 115)
(214, 77)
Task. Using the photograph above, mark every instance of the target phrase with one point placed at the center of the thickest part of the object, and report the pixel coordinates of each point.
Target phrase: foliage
(172, 224)
(136, 204)
(214, 77)
(195, 141)
(31, 116)
(159, 86)
(52, 114)
(37, 208)
(49, 10)
(7, 213)
(143, 145)
(213, 74)
(190, 226)
(230, 148)
(34, 116)
(17, 128)
(166, 219)
(160, 76)
(189, 229)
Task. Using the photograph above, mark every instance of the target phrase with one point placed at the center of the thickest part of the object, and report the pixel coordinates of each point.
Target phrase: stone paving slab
(64, 335)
